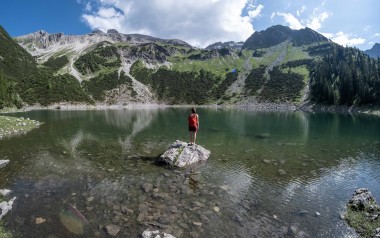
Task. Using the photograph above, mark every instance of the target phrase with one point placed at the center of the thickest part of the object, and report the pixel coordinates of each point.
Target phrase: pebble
(317, 214)
(281, 172)
(216, 209)
(40, 220)
(112, 229)
(197, 223)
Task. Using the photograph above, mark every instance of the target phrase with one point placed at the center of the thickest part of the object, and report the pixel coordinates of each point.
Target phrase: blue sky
(199, 22)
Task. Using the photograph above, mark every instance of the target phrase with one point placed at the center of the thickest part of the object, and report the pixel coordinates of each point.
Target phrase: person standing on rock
(193, 125)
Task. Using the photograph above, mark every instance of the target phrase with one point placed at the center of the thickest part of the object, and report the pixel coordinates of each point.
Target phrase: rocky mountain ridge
(374, 52)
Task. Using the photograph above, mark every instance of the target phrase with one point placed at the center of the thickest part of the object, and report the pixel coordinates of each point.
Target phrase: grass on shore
(13, 125)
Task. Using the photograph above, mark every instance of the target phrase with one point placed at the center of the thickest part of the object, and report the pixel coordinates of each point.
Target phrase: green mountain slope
(22, 82)
(278, 65)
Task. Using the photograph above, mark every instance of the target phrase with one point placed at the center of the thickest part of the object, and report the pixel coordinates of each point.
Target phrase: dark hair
(193, 110)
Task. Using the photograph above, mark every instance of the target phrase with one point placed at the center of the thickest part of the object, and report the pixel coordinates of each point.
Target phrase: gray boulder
(181, 154)
(361, 198)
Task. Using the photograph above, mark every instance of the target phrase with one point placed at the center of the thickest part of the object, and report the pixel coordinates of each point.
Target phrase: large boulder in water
(181, 154)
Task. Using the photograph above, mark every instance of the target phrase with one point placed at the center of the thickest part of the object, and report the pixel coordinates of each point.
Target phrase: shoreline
(252, 106)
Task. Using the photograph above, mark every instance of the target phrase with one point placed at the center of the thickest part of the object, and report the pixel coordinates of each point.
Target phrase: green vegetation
(103, 57)
(12, 125)
(57, 63)
(361, 221)
(8, 95)
(344, 76)
(218, 62)
(99, 85)
(176, 87)
(3, 232)
(282, 87)
(255, 80)
(41, 87)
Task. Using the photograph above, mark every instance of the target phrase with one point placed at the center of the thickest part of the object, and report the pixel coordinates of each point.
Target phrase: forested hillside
(344, 76)
(23, 83)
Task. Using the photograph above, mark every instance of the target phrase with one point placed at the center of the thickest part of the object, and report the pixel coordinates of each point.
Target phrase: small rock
(238, 218)
(3, 163)
(5, 192)
(216, 209)
(267, 161)
(303, 212)
(317, 214)
(90, 199)
(197, 223)
(40, 220)
(281, 172)
(112, 229)
(342, 215)
(147, 187)
(293, 229)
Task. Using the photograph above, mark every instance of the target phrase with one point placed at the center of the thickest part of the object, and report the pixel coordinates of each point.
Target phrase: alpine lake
(270, 174)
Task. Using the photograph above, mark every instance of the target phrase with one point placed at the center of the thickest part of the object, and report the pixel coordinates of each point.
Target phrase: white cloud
(377, 35)
(316, 20)
(299, 12)
(291, 20)
(256, 12)
(199, 22)
(88, 7)
(345, 39)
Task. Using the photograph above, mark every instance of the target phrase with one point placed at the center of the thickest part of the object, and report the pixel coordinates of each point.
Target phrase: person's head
(193, 110)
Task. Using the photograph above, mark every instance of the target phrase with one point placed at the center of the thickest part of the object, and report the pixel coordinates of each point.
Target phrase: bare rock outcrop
(181, 154)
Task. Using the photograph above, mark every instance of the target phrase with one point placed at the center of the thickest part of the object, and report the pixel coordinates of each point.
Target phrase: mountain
(277, 34)
(23, 82)
(228, 44)
(374, 52)
(277, 65)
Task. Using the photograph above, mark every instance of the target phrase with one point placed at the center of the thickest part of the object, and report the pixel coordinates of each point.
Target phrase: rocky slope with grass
(275, 68)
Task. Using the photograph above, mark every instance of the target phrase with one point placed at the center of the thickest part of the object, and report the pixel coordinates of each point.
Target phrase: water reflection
(139, 120)
(266, 172)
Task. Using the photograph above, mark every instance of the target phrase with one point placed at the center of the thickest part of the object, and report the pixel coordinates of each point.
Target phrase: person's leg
(191, 137)
(195, 137)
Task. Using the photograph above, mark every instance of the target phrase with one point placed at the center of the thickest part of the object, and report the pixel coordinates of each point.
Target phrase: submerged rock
(112, 229)
(5, 192)
(5, 207)
(3, 163)
(156, 234)
(181, 154)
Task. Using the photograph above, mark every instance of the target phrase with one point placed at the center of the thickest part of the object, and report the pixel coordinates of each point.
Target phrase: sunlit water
(267, 171)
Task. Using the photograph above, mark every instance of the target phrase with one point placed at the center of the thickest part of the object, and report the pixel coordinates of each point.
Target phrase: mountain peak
(277, 34)
(374, 52)
(112, 31)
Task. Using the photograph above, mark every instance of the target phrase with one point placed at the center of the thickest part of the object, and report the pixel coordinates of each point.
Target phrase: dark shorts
(193, 128)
